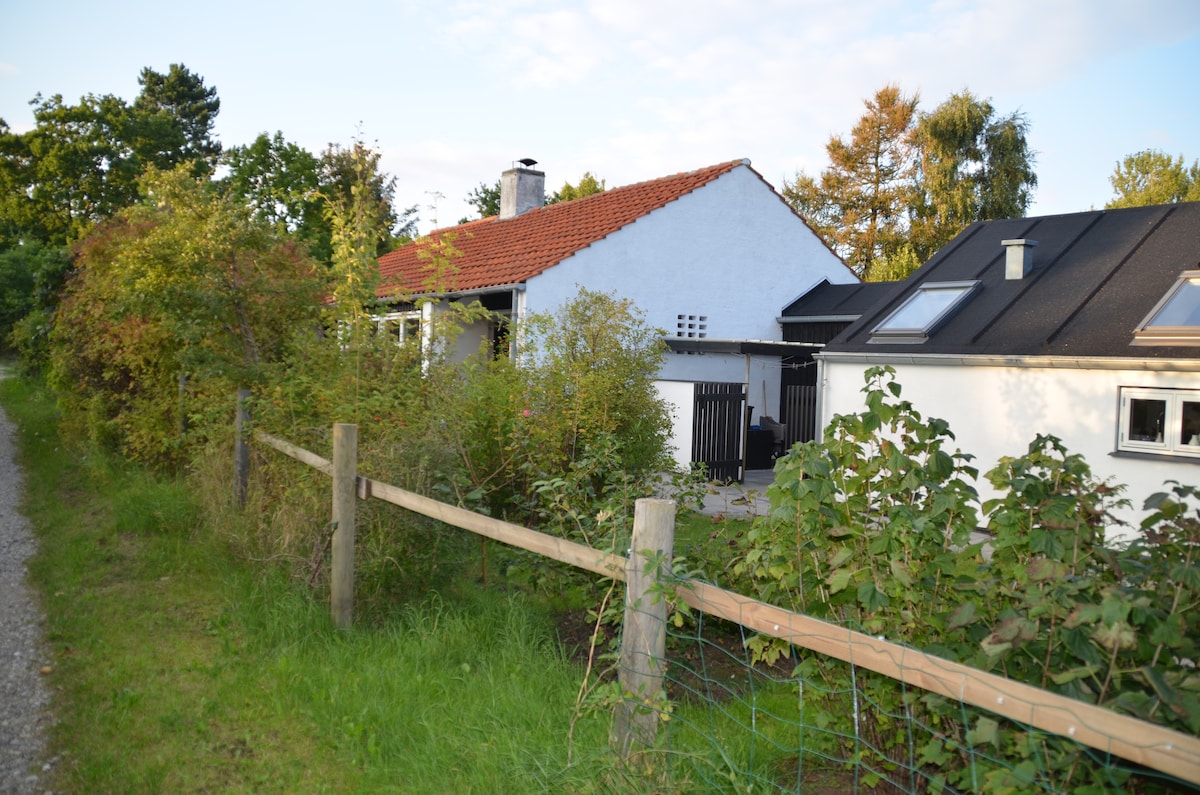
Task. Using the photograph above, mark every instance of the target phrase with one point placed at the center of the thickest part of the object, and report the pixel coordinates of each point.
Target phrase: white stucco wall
(680, 397)
(996, 411)
(731, 251)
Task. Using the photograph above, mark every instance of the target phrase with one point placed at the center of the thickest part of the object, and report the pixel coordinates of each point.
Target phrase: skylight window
(924, 311)
(1175, 320)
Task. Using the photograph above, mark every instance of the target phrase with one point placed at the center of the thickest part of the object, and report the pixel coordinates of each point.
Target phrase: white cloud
(635, 89)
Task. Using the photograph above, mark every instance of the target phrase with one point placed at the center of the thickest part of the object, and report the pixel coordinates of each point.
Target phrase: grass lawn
(178, 667)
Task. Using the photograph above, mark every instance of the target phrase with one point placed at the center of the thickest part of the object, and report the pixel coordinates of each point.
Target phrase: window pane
(1190, 434)
(1146, 418)
(1183, 309)
(925, 308)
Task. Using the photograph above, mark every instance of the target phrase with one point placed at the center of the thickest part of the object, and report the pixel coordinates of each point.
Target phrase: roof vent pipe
(1018, 259)
(521, 189)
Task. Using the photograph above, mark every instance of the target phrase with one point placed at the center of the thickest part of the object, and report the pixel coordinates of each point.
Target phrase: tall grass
(179, 666)
(189, 657)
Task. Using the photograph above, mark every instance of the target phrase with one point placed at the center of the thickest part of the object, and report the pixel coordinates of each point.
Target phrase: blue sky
(452, 93)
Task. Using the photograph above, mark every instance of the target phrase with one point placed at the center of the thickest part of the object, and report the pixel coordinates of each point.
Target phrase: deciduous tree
(342, 172)
(31, 275)
(859, 205)
(974, 165)
(77, 166)
(183, 283)
(485, 199)
(1154, 177)
(281, 184)
(587, 186)
(80, 163)
(906, 182)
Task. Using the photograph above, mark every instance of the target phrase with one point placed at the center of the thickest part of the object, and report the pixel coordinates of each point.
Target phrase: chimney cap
(1018, 258)
(528, 162)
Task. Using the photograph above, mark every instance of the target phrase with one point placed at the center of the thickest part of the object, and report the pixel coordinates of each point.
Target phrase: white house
(705, 254)
(1084, 326)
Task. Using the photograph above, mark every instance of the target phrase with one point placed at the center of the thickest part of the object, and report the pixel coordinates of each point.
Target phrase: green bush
(871, 527)
(31, 275)
(173, 304)
(565, 437)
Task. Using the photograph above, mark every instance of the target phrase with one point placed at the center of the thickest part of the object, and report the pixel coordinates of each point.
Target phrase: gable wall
(996, 411)
(726, 251)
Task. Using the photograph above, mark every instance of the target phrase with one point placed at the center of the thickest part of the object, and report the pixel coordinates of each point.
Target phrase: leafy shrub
(872, 527)
(31, 274)
(564, 438)
(173, 304)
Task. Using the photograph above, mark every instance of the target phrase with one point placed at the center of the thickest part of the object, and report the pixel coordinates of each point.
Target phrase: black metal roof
(1095, 277)
(837, 300)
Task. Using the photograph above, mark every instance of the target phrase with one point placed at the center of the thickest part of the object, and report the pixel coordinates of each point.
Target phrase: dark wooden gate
(718, 425)
(799, 413)
(798, 399)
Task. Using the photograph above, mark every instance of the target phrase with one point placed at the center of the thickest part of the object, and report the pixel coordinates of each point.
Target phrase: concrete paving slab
(748, 498)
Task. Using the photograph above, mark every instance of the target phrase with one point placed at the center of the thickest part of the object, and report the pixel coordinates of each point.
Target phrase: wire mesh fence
(809, 723)
(841, 711)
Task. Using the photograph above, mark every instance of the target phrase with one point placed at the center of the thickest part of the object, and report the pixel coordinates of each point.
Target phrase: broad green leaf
(871, 597)
(962, 616)
(901, 573)
(1114, 608)
(1133, 703)
(1163, 690)
(987, 730)
(1044, 570)
(839, 580)
(1191, 707)
(1168, 632)
(840, 556)
(1085, 614)
(1187, 575)
(1063, 677)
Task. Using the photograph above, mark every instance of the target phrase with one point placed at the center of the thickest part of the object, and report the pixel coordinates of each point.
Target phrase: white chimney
(1018, 259)
(521, 189)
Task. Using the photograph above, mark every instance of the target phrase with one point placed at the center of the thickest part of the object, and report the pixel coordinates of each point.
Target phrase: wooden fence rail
(1153, 746)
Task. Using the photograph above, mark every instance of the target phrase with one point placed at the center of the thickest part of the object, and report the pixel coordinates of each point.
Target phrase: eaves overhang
(739, 347)
(452, 295)
(784, 320)
(1033, 362)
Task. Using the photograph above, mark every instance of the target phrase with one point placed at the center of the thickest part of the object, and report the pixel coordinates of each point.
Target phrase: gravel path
(24, 696)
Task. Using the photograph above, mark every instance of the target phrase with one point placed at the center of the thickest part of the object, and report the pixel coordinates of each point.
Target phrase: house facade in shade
(1084, 326)
(704, 254)
(813, 320)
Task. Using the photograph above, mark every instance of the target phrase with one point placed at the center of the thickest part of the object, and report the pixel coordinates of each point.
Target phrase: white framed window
(924, 311)
(1175, 319)
(1165, 421)
(400, 326)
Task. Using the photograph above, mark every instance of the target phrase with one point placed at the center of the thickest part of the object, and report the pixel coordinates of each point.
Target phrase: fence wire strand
(736, 726)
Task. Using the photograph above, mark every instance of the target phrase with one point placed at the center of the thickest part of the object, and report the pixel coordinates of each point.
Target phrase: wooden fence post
(345, 475)
(241, 449)
(644, 632)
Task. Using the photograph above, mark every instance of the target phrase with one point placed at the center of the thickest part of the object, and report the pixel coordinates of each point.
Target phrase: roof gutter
(818, 319)
(499, 288)
(739, 346)
(1039, 362)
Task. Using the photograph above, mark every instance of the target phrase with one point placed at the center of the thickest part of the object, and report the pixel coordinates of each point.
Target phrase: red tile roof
(495, 252)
